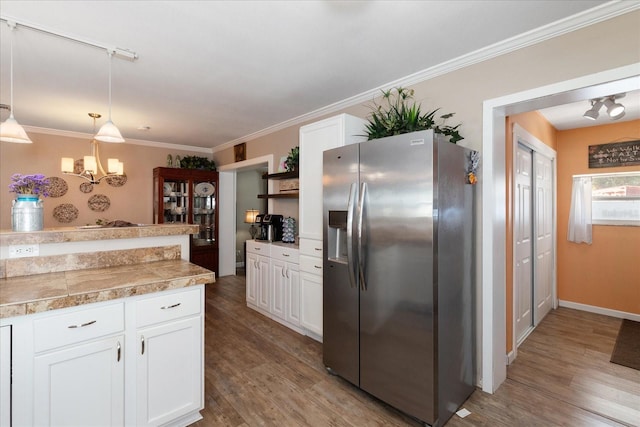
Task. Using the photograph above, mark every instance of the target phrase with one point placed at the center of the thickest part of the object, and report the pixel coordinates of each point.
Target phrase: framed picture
(240, 152)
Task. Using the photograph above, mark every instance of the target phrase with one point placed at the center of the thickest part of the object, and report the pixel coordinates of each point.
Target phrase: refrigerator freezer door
(397, 335)
(340, 295)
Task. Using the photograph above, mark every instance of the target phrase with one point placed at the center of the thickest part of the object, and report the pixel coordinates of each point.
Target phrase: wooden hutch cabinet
(190, 196)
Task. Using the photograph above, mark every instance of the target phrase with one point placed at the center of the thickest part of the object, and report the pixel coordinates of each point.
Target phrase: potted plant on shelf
(27, 210)
(400, 114)
(292, 159)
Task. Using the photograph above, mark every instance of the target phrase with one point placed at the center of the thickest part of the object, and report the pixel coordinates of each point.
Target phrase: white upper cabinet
(314, 139)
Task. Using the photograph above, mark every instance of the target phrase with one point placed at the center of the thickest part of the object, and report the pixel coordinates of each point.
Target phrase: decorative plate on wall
(57, 186)
(99, 203)
(116, 180)
(86, 187)
(65, 212)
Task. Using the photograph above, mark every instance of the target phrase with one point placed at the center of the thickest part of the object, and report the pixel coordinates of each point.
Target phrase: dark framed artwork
(614, 154)
(240, 152)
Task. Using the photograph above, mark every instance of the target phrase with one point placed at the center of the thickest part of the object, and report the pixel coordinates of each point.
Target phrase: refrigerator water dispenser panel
(337, 237)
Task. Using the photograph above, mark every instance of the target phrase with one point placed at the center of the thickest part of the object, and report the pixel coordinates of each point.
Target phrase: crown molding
(575, 22)
(153, 144)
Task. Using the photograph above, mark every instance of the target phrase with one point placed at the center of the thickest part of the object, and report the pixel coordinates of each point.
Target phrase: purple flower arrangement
(36, 184)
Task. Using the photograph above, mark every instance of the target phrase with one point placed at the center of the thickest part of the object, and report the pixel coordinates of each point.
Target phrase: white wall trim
(89, 136)
(600, 310)
(584, 19)
(493, 189)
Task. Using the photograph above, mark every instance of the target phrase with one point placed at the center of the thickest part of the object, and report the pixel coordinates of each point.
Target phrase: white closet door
(523, 228)
(543, 273)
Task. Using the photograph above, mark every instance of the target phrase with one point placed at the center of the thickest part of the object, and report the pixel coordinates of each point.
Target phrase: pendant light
(10, 129)
(109, 132)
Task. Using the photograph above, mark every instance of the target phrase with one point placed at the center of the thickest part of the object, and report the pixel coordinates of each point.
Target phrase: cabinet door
(169, 371)
(278, 281)
(5, 376)
(82, 385)
(292, 305)
(311, 302)
(262, 276)
(314, 139)
(251, 266)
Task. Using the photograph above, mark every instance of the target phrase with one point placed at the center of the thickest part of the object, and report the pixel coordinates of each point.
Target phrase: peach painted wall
(131, 202)
(607, 272)
(534, 123)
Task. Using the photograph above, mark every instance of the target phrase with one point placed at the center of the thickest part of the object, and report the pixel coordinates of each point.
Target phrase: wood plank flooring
(259, 373)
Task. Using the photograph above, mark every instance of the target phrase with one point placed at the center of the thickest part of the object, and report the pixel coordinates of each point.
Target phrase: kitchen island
(101, 326)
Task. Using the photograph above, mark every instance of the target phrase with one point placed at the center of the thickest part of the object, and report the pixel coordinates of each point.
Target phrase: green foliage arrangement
(292, 159)
(195, 162)
(400, 114)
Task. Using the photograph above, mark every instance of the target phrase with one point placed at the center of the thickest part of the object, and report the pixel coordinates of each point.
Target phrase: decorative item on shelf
(250, 218)
(472, 167)
(169, 161)
(288, 230)
(204, 189)
(176, 162)
(293, 159)
(402, 115)
(27, 212)
(89, 166)
(196, 162)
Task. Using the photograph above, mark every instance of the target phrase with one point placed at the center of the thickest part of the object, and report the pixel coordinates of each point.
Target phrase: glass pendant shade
(11, 131)
(109, 133)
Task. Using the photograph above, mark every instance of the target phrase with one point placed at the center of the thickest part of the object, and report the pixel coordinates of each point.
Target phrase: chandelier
(91, 164)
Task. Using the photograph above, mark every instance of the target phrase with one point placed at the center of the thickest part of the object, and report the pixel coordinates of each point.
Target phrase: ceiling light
(92, 164)
(10, 129)
(593, 112)
(109, 132)
(614, 109)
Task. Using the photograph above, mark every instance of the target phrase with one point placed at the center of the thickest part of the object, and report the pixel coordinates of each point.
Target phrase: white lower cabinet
(273, 282)
(311, 286)
(135, 361)
(80, 385)
(5, 376)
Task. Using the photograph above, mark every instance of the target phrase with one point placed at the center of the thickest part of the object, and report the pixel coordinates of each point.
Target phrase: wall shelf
(278, 176)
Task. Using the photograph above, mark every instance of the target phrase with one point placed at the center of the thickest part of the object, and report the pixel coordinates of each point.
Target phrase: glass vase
(27, 213)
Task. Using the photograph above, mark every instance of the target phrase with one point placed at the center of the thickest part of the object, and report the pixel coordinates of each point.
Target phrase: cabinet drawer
(258, 248)
(167, 307)
(79, 325)
(284, 254)
(311, 247)
(311, 265)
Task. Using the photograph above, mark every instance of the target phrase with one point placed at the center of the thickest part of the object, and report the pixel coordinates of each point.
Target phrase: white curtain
(580, 214)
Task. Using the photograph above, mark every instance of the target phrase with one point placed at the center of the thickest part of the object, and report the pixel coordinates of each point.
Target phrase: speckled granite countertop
(42, 292)
(82, 234)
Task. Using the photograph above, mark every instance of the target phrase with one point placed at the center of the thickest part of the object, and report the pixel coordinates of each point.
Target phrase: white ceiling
(211, 72)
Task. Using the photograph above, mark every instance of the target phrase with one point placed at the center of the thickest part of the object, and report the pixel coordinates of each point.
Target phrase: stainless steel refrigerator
(398, 318)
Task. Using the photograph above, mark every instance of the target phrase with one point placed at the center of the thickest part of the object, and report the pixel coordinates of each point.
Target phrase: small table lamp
(250, 218)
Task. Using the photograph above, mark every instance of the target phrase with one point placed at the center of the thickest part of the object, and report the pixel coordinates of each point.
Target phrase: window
(615, 199)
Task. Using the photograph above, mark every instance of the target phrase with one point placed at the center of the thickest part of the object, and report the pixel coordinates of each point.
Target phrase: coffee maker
(269, 227)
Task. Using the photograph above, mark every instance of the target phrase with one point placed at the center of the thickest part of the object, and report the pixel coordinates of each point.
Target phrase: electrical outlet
(21, 251)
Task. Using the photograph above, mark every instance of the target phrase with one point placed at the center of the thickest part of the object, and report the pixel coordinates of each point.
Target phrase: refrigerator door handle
(361, 258)
(350, 261)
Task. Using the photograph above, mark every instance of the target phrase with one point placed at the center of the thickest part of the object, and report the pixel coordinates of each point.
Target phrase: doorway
(228, 209)
(534, 237)
(493, 225)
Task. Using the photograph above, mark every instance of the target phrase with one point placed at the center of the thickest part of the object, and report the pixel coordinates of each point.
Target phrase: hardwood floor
(259, 373)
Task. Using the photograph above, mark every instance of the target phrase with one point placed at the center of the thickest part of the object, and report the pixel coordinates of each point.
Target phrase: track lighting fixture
(614, 109)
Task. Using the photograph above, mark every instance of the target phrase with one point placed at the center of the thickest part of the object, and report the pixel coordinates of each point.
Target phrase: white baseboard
(600, 310)
(511, 356)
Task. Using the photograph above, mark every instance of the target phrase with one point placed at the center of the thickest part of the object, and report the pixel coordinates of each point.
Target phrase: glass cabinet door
(176, 201)
(204, 211)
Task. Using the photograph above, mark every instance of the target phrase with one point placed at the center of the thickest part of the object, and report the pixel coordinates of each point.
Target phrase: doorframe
(227, 211)
(493, 194)
(536, 146)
